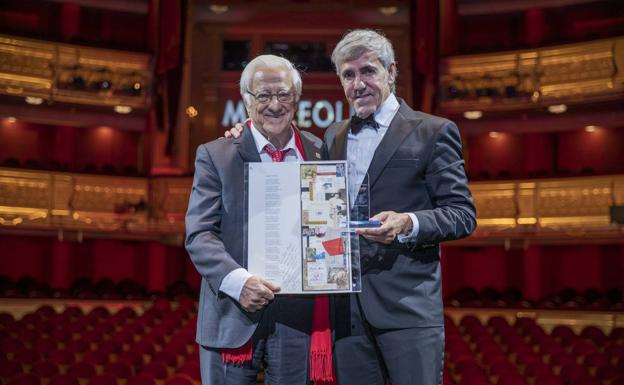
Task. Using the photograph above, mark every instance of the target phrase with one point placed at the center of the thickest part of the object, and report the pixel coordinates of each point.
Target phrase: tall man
(241, 324)
(412, 161)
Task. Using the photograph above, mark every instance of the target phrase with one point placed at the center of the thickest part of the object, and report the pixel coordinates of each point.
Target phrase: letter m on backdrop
(233, 115)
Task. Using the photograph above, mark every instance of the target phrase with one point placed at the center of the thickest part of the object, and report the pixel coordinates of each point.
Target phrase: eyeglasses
(266, 97)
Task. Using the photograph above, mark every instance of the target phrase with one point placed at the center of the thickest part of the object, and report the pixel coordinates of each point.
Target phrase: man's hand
(235, 131)
(257, 293)
(392, 224)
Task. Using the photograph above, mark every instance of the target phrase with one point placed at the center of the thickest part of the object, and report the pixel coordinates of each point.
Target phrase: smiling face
(366, 83)
(272, 118)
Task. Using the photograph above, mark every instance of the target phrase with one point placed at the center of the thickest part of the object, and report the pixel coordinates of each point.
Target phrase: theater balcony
(508, 211)
(73, 84)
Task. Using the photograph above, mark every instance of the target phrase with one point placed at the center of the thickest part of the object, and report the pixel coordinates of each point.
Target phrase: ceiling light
(191, 111)
(473, 115)
(219, 8)
(122, 109)
(591, 128)
(11, 119)
(388, 10)
(558, 108)
(35, 101)
(494, 134)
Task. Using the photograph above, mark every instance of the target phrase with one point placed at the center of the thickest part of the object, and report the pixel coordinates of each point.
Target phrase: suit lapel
(311, 151)
(247, 147)
(399, 129)
(338, 149)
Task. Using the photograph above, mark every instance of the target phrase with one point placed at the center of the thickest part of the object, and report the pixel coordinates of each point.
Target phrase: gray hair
(267, 61)
(359, 41)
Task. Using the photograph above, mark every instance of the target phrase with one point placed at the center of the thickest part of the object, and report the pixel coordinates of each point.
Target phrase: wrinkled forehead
(266, 77)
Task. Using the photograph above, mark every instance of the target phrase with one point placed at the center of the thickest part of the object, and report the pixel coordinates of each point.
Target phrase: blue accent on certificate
(364, 224)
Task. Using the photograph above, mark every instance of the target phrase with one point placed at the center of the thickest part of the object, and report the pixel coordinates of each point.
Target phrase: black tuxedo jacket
(418, 168)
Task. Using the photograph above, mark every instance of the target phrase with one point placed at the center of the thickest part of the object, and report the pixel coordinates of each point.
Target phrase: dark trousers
(367, 355)
(281, 346)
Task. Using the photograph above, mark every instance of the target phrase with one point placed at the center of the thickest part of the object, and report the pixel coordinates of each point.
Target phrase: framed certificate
(298, 233)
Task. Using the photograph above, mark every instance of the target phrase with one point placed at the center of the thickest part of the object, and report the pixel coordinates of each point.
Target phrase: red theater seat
(82, 370)
(157, 370)
(62, 357)
(617, 333)
(109, 346)
(72, 312)
(607, 372)
(548, 379)
(572, 373)
(142, 379)
(564, 334)
(561, 359)
(179, 379)
(583, 348)
(6, 319)
(103, 379)
(474, 379)
(44, 369)
(536, 369)
(9, 369)
(63, 379)
(27, 356)
(166, 358)
(12, 344)
(99, 312)
(143, 347)
(594, 334)
(77, 346)
(134, 359)
(120, 369)
(28, 335)
(96, 357)
(25, 379)
(503, 369)
(595, 360)
(192, 370)
(45, 311)
(511, 379)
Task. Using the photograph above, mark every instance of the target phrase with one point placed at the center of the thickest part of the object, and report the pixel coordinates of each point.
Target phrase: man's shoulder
(218, 147)
(312, 138)
(408, 113)
(330, 132)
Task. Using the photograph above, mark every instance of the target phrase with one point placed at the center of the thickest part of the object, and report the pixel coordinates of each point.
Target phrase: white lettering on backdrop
(320, 114)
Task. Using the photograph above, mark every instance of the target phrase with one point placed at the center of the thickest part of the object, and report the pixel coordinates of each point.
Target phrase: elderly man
(412, 162)
(242, 325)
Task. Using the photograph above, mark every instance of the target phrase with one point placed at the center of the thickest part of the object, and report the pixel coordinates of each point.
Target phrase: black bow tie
(358, 123)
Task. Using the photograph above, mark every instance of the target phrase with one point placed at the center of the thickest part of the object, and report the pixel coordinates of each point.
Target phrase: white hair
(267, 61)
(360, 41)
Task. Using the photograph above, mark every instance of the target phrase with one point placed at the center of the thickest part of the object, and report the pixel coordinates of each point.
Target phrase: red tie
(276, 155)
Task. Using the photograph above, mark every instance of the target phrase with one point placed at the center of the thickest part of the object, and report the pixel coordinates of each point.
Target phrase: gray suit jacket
(214, 234)
(418, 168)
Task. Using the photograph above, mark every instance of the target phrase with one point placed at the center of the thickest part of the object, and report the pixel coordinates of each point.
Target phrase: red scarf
(321, 362)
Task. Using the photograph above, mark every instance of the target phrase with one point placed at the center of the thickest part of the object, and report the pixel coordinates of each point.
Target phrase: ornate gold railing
(546, 208)
(570, 73)
(74, 74)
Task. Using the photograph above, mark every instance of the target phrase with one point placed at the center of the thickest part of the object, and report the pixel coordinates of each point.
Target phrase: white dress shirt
(233, 283)
(361, 149)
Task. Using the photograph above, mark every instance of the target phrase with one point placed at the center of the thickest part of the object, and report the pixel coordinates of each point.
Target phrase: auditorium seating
(130, 346)
(571, 299)
(523, 353)
(83, 288)
(154, 345)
